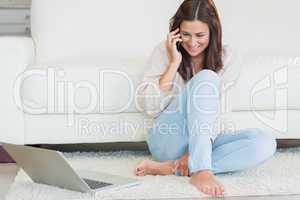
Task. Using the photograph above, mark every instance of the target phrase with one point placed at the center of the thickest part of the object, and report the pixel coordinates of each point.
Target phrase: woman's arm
(175, 58)
(167, 78)
(158, 82)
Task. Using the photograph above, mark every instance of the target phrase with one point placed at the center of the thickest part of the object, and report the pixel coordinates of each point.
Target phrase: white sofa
(61, 86)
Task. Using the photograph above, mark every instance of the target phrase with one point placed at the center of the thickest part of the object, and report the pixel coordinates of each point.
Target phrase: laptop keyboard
(95, 184)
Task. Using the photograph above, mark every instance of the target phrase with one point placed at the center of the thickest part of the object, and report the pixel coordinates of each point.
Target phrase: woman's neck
(197, 62)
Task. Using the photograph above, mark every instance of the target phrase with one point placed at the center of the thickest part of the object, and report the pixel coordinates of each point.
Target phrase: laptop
(50, 167)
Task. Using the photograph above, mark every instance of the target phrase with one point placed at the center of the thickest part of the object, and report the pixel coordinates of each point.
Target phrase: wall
(268, 26)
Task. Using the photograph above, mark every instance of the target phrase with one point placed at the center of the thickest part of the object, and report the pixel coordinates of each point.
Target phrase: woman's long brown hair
(204, 11)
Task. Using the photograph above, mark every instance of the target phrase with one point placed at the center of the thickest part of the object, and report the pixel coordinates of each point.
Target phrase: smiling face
(195, 37)
(201, 36)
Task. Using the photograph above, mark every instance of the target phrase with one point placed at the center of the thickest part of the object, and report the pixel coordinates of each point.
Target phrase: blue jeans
(186, 126)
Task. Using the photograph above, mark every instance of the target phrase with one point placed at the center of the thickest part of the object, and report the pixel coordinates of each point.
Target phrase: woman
(182, 141)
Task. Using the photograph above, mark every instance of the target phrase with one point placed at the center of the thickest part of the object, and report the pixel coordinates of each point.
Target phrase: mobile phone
(178, 45)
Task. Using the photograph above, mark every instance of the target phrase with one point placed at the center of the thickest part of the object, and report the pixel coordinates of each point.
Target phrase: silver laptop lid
(54, 170)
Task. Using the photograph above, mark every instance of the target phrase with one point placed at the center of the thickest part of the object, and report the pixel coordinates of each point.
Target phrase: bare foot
(149, 167)
(206, 182)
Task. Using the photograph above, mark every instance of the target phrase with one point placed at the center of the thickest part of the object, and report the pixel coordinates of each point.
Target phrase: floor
(9, 171)
(291, 197)
(7, 175)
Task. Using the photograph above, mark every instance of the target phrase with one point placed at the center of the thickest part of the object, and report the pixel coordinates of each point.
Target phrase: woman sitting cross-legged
(182, 141)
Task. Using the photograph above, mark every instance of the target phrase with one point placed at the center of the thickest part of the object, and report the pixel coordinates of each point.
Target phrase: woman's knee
(206, 82)
(264, 144)
(206, 75)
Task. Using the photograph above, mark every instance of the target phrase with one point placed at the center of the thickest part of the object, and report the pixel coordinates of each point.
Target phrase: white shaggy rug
(279, 175)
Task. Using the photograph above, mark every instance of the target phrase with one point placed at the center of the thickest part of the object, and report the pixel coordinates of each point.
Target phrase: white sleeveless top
(152, 100)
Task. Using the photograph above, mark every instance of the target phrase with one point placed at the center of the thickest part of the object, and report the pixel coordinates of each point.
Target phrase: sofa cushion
(81, 89)
(263, 83)
(266, 82)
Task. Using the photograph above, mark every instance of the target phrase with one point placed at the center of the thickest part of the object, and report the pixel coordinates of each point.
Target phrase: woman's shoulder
(158, 59)
(230, 70)
(161, 48)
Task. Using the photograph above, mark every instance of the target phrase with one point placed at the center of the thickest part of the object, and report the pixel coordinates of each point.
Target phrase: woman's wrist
(166, 80)
(165, 85)
(174, 65)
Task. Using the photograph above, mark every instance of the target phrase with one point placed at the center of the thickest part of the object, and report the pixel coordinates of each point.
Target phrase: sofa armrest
(16, 53)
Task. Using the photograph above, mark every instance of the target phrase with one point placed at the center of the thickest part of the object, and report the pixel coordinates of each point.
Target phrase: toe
(205, 190)
(141, 173)
(218, 191)
(212, 191)
(221, 190)
(221, 187)
(136, 171)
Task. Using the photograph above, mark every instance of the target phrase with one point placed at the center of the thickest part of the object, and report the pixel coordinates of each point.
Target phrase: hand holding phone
(173, 45)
